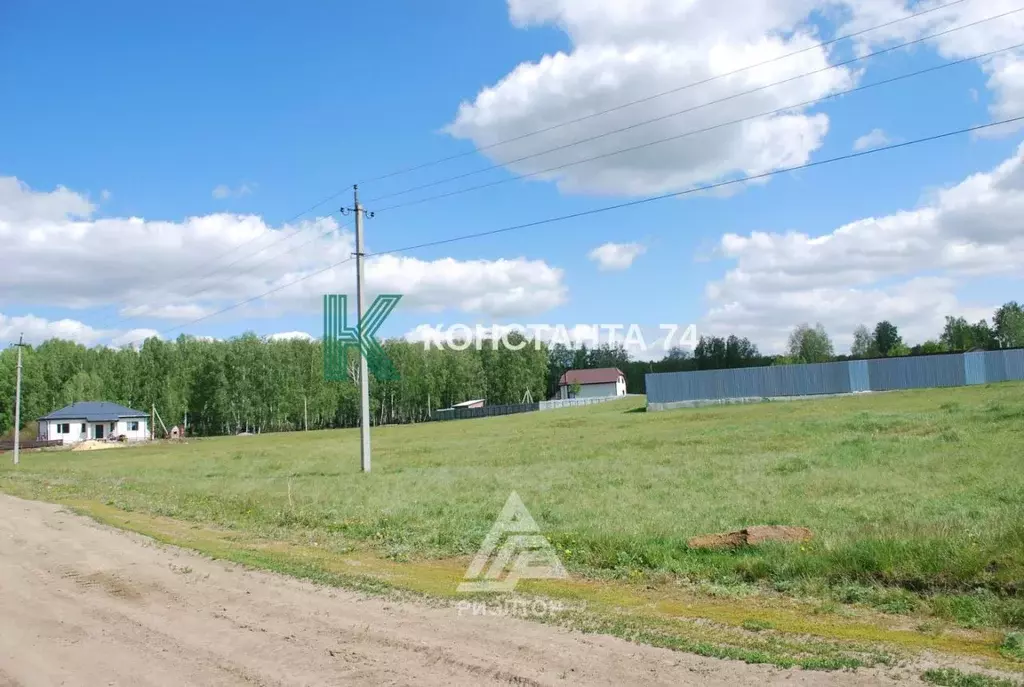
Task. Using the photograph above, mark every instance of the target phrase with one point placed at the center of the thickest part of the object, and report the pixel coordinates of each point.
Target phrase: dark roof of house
(93, 411)
(600, 375)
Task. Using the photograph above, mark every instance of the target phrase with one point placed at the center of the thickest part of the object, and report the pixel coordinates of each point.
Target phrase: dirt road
(83, 604)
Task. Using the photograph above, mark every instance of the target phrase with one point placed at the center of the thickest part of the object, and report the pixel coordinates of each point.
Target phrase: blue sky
(143, 110)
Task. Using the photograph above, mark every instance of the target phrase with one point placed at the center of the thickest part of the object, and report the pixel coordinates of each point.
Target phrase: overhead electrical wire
(296, 232)
(258, 236)
(250, 268)
(607, 208)
(334, 195)
(687, 110)
(700, 189)
(320, 203)
(595, 114)
(662, 94)
(693, 132)
(292, 234)
(252, 299)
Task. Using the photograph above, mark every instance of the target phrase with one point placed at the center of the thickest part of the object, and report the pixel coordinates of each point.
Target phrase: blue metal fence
(1001, 366)
(912, 372)
(974, 368)
(919, 372)
(860, 376)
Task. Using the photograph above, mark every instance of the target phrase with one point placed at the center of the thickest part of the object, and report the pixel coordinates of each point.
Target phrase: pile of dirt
(751, 536)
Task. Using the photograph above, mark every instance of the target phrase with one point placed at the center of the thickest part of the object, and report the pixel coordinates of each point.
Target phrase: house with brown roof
(597, 383)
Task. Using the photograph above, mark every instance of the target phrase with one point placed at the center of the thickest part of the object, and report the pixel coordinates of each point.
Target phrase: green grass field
(916, 498)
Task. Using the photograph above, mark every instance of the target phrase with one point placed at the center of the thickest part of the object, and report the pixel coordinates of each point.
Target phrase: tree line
(252, 384)
(809, 344)
(806, 344)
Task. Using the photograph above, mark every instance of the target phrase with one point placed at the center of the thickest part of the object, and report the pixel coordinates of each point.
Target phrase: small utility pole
(17, 404)
(364, 377)
(305, 414)
(152, 422)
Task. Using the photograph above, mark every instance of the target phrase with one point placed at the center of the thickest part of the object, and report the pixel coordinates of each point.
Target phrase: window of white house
(83, 428)
(133, 426)
(64, 428)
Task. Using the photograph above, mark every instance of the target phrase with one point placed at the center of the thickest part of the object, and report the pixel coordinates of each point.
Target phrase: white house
(596, 383)
(93, 420)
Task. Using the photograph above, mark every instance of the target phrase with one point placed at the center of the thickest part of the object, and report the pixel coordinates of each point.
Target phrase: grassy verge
(756, 629)
(915, 498)
(951, 677)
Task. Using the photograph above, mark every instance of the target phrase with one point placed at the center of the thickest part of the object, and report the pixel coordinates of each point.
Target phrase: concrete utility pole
(17, 404)
(364, 377)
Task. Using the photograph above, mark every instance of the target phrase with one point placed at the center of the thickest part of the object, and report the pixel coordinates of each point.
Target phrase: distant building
(596, 383)
(478, 403)
(93, 420)
(453, 410)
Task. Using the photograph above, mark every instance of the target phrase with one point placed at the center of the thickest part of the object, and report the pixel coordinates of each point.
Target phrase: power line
(700, 189)
(585, 117)
(691, 109)
(288, 236)
(608, 208)
(244, 257)
(250, 268)
(249, 300)
(258, 236)
(649, 98)
(706, 129)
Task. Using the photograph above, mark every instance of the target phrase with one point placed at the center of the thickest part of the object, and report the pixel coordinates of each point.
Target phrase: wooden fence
(8, 444)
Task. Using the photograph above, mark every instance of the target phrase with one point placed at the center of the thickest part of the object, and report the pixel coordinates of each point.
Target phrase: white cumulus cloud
(18, 203)
(38, 329)
(627, 51)
(1005, 71)
(166, 311)
(616, 256)
(134, 337)
(904, 267)
(222, 191)
(875, 138)
(183, 270)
